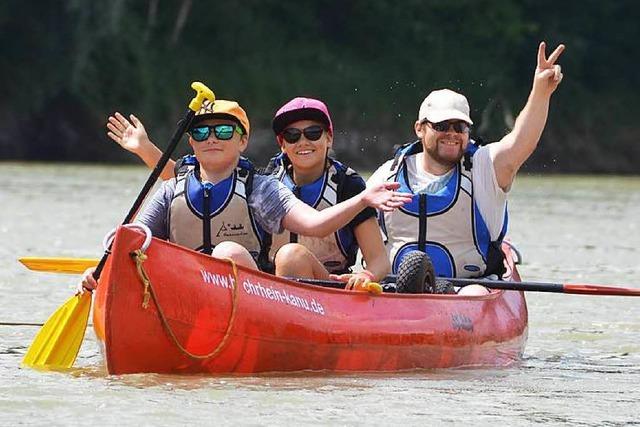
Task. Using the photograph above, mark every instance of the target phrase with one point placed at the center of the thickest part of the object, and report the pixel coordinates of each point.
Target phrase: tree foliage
(66, 65)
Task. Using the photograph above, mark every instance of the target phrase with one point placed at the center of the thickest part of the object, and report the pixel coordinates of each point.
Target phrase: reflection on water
(581, 364)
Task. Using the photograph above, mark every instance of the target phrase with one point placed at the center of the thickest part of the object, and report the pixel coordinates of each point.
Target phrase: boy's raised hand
(129, 134)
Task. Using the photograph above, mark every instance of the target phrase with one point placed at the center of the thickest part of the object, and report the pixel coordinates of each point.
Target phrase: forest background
(66, 65)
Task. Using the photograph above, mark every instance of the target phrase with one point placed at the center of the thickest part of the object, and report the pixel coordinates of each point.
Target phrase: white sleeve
(491, 199)
(381, 174)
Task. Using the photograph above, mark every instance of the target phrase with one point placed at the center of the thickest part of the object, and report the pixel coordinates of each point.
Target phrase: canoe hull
(280, 325)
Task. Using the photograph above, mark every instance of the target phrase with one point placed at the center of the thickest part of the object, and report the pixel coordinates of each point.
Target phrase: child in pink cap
(304, 132)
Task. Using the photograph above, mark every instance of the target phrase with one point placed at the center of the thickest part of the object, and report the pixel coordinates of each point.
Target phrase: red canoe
(190, 325)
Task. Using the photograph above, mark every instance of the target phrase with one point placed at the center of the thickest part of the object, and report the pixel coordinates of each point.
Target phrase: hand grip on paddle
(371, 287)
(202, 93)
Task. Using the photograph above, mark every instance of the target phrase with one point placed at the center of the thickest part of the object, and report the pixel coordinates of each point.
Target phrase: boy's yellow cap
(223, 109)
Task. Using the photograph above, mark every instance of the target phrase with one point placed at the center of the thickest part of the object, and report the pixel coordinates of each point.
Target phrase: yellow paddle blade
(58, 341)
(59, 265)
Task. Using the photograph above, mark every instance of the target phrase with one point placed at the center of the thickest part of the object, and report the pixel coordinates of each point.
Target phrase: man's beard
(446, 160)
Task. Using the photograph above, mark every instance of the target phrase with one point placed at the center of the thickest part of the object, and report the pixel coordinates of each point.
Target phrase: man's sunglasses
(312, 133)
(223, 132)
(458, 126)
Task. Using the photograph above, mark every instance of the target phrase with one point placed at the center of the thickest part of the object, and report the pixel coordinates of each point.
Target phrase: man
(458, 214)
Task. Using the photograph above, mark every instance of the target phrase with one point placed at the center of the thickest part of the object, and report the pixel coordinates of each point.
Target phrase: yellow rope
(140, 258)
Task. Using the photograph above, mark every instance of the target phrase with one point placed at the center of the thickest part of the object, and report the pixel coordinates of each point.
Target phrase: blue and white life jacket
(337, 251)
(446, 225)
(203, 215)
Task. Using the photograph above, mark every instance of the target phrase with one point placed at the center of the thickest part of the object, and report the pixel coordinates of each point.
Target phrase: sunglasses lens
(459, 127)
(313, 133)
(441, 126)
(200, 133)
(223, 132)
(292, 135)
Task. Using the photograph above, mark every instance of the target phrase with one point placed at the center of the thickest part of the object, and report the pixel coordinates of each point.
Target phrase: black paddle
(563, 288)
(202, 93)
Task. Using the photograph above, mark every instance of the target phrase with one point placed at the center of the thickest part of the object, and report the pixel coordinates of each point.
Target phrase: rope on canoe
(140, 257)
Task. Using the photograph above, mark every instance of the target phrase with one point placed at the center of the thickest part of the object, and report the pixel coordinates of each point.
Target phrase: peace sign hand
(548, 74)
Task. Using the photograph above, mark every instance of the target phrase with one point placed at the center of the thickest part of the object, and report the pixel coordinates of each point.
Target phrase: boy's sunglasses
(222, 132)
(312, 133)
(458, 126)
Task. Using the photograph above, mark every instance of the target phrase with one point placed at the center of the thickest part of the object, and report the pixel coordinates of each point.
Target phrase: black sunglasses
(312, 133)
(458, 126)
(223, 132)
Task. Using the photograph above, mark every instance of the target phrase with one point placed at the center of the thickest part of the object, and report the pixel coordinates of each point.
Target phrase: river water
(581, 364)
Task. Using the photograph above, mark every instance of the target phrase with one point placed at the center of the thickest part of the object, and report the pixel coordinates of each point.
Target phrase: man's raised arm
(515, 148)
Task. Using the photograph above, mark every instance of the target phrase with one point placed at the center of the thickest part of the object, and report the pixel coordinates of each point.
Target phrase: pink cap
(301, 109)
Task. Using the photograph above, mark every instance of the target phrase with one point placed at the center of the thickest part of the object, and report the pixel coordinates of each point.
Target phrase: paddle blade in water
(58, 341)
(58, 265)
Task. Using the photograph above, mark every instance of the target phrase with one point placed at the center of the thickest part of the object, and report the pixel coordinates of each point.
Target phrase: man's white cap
(444, 104)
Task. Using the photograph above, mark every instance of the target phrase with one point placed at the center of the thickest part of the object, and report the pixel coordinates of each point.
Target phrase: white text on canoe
(263, 291)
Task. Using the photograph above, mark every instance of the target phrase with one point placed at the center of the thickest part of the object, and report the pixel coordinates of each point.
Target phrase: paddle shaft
(566, 288)
(561, 288)
(319, 282)
(511, 286)
(23, 324)
(183, 125)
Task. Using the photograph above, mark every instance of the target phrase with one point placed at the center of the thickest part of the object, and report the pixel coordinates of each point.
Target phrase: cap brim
(202, 117)
(283, 120)
(442, 115)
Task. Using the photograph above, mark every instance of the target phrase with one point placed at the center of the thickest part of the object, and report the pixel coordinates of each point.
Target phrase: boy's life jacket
(203, 214)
